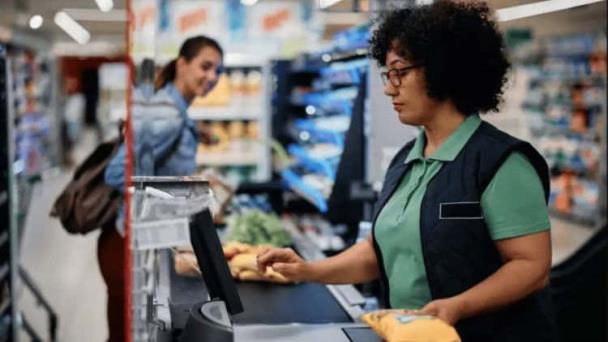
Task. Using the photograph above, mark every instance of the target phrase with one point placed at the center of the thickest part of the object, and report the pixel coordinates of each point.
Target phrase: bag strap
(121, 130)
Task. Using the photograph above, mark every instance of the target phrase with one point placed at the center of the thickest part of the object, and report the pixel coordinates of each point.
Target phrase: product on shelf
(219, 96)
(313, 100)
(253, 83)
(229, 120)
(236, 130)
(252, 130)
(237, 83)
(566, 103)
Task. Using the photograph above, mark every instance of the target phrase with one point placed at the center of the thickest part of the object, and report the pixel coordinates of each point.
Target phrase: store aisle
(63, 266)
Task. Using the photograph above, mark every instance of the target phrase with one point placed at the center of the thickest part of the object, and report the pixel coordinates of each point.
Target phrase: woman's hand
(286, 262)
(449, 310)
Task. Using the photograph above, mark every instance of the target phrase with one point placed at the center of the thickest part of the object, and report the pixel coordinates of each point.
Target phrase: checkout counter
(189, 309)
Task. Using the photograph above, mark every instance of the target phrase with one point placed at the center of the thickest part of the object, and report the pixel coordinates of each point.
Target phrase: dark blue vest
(457, 248)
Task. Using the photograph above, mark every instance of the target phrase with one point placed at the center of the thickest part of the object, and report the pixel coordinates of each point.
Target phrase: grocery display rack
(313, 104)
(565, 103)
(234, 117)
(14, 202)
(7, 219)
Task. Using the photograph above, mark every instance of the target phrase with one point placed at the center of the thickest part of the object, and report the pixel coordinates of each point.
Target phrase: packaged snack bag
(401, 326)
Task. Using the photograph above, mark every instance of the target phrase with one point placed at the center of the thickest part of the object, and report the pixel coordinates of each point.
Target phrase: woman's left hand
(449, 310)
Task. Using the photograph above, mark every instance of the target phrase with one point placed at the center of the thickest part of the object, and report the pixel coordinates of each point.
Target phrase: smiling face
(200, 74)
(410, 99)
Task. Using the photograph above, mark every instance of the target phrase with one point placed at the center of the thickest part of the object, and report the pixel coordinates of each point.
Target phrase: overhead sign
(194, 17)
(144, 28)
(275, 20)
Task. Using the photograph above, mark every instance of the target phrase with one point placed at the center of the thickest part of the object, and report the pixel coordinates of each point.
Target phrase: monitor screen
(214, 267)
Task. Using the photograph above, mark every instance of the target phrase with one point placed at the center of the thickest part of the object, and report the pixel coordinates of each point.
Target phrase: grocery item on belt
(256, 227)
(242, 260)
(186, 264)
(399, 326)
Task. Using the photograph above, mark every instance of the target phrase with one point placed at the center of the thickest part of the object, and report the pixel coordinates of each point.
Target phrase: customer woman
(165, 142)
(461, 229)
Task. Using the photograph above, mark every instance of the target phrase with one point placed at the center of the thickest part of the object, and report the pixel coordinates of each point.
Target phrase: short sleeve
(514, 202)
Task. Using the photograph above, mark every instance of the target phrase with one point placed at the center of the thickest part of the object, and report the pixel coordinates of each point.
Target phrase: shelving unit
(233, 120)
(16, 178)
(312, 104)
(7, 218)
(566, 109)
(36, 133)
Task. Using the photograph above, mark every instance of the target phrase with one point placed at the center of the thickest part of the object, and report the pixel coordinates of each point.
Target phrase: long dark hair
(189, 49)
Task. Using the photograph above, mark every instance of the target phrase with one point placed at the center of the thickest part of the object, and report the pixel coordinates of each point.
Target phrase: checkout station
(217, 308)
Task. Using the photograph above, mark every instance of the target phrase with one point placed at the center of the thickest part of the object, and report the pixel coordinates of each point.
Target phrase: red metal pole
(128, 173)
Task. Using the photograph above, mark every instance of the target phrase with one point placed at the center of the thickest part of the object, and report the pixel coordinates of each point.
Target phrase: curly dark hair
(458, 44)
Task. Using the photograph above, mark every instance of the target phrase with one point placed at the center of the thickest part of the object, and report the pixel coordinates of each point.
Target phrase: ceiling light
(72, 28)
(538, 8)
(105, 5)
(327, 3)
(36, 21)
(249, 2)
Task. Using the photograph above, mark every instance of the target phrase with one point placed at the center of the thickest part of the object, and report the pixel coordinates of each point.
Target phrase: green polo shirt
(513, 205)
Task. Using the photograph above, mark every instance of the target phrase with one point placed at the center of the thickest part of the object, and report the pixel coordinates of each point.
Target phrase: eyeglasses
(396, 74)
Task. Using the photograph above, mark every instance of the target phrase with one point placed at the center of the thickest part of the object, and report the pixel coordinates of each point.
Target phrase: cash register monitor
(214, 267)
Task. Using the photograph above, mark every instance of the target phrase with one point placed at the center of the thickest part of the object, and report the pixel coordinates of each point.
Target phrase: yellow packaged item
(400, 326)
(220, 95)
(242, 261)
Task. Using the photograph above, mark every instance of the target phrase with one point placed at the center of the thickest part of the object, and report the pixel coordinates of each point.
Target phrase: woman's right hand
(286, 262)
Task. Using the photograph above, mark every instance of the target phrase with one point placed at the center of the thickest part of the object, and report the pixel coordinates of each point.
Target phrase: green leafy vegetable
(256, 227)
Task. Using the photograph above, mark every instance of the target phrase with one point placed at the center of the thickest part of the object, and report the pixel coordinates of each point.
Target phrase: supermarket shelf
(555, 132)
(307, 192)
(569, 77)
(345, 56)
(224, 113)
(4, 306)
(3, 271)
(583, 221)
(3, 238)
(227, 159)
(231, 60)
(304, 72)
(316, 164)
(579, 172)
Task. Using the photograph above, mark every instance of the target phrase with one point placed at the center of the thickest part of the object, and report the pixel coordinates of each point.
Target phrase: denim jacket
(164, 137)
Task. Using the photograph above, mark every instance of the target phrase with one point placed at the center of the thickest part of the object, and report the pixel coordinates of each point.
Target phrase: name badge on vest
(460, 211)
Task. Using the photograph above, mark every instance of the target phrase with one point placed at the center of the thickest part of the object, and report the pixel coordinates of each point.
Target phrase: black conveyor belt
(263, 303)
(362, 334)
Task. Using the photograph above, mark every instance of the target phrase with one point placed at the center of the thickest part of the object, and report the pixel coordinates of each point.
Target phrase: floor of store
(65, 266)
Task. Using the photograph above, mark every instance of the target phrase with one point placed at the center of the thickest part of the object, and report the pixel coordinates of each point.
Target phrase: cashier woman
(172, 139)
(461, 229)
